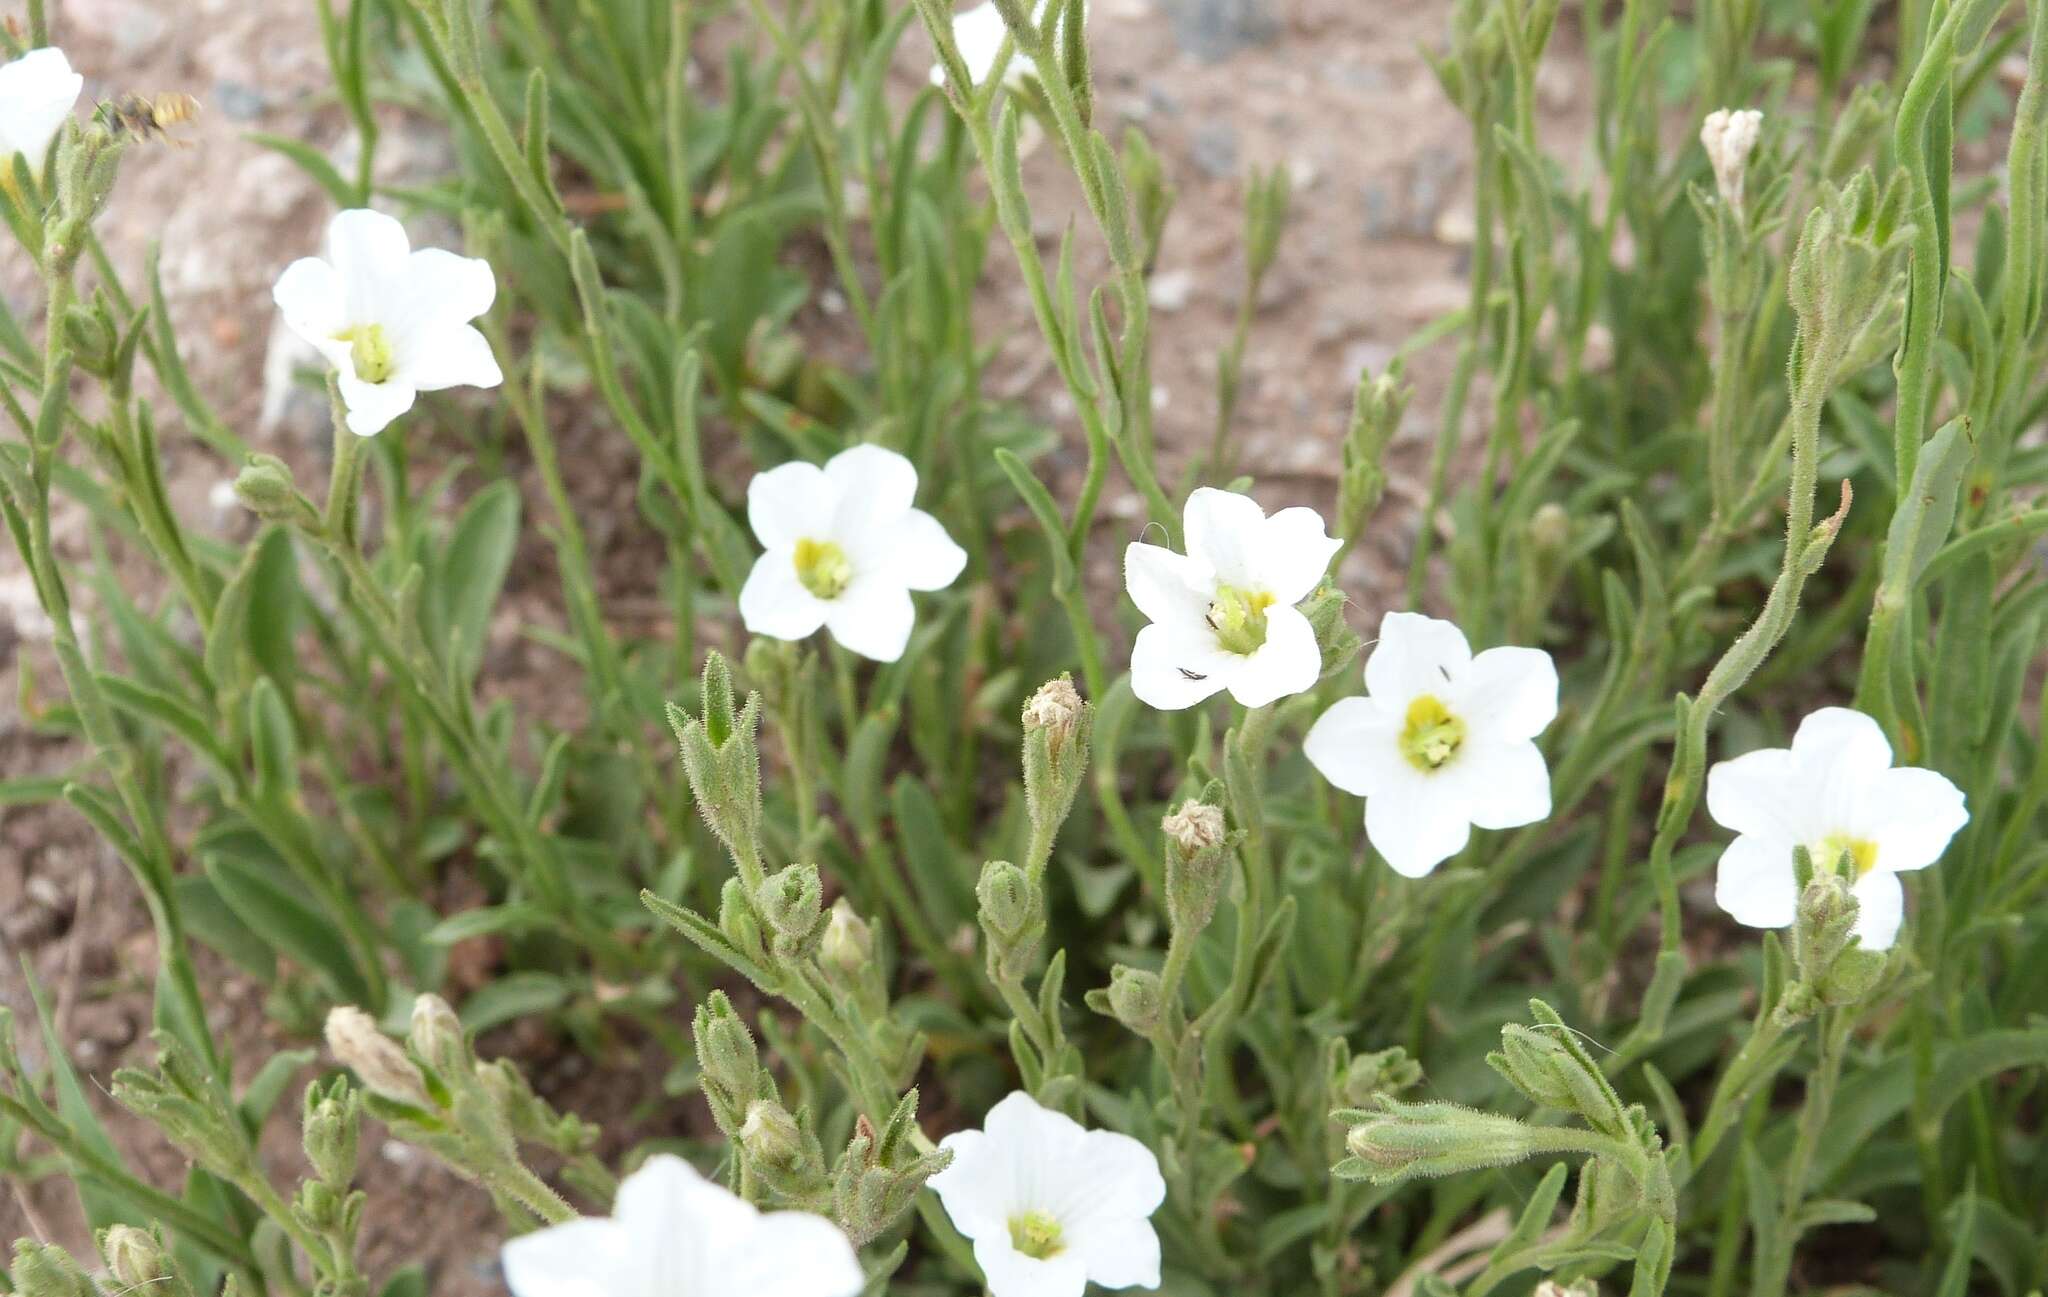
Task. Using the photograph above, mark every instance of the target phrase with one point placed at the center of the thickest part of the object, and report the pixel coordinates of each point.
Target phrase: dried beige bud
(377, 1060)
(1729, 136)
(1194, 827)
(1056, 706)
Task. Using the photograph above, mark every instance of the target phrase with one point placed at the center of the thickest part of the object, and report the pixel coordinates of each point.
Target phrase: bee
(144, 117)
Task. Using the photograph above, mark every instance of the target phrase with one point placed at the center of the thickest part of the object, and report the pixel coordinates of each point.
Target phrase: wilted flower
(393, 322)
(37, 91)
(675, 1234)
(844, 548)
(1441, 742)
(359, 1044)
(1223, 615)
(1051, 1206)
(1729, 136)
(1836, 793)
(979, 32)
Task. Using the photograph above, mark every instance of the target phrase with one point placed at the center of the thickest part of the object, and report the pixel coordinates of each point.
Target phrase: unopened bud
(1197, 850)
(1370, 1077)
(134, 1257)
(1055, 709)
(771, 1134)
(46, 1270)
(1576, 1288)
(1729, 136)
(265, 485)
(730, 1064)
(849, 944)
(437, 1036)
(1057, 725)
(378, 1061)
(1136, 998)
(1009, 907)
(1417, 1139)
(792, 904)
(1550, 527)
(1335, 640)
(329, 1129)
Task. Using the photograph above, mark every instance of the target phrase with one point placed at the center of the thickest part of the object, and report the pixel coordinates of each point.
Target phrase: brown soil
(1376, 248)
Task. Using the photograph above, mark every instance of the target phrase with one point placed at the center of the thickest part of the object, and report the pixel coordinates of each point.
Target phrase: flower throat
(1239, 619)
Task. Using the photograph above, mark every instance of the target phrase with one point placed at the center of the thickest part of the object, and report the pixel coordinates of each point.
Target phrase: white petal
(678, 1222)
(1018, 1120)
(784, 1254)
(1012, 1274)
(873, 616)
(976, 1188)
(1415, 655)
(1173, 666)
(451, 287)
(1911, 814)
(1287, 663)
(923, 556)
(876, 487)
(791, 502)
(1226, 531)
(372, 406)
(1295, 552)
(366, 245)
(582, 1258)
(1352, 744)
(1841, 738)
(37, 92)
(1754, 882)
(1511, 693)
(1112, 1175)
(774, 602)
(459, 356)
(1120, 1252)
(1761, 793)
(309, 294)
(1416, 827)
(1167, 587)
(1880, 909)
(1504, 785)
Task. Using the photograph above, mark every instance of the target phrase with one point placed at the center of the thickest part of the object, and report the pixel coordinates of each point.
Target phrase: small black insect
(1190, 675)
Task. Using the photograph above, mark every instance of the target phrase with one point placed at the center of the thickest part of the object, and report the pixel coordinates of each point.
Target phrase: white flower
(845, 549)
(675, 1234)
(37, 91)
(979, 33)
(1442, 741)
(393, 322)
(1051, 1206)
(1834, 792)
(1728, 136)
(1223, 616)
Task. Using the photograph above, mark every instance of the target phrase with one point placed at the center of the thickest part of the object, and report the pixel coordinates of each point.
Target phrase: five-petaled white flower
(1836, 793)
(845, 549)
(37, 91)
(1050, 1205)
(675, 1234)
(393, 322)
(1442, 741)
(979, 33)
(1223, 615)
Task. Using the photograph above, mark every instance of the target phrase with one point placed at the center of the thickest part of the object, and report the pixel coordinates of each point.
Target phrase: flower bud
(770, 1134)
(134, 1257)
(792, 903)
(726, 1056)
(329, 1129)
(1135, 998)
(1009, 904)
(378, 1061)
(46, 1270)
(437, 1037)
(722, 762)
(1370, 1077)
(1576, 1288)
(1197, 864)
(1550, 527)
(848, 948)
(736, 918)
(1417, 1139)
(1729, 136)
(265, 486)
(1057, 725)
(1335, 640)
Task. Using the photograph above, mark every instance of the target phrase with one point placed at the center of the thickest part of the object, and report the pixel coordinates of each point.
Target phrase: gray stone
(1216, 29)
(239, 102)
(1214, 147)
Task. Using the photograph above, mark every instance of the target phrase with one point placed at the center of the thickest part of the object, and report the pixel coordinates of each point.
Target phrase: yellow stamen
(1430, 735)
(1239, 619)
(1036, 1235)
(369, 349)
(1862, 853)
(822, 567)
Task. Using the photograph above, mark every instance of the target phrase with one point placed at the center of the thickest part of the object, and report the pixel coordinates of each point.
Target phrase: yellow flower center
(1036, 1235)
(1430, 735)
(1239, 619)
(822, 567)
(369, 349)
(1862, 853)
